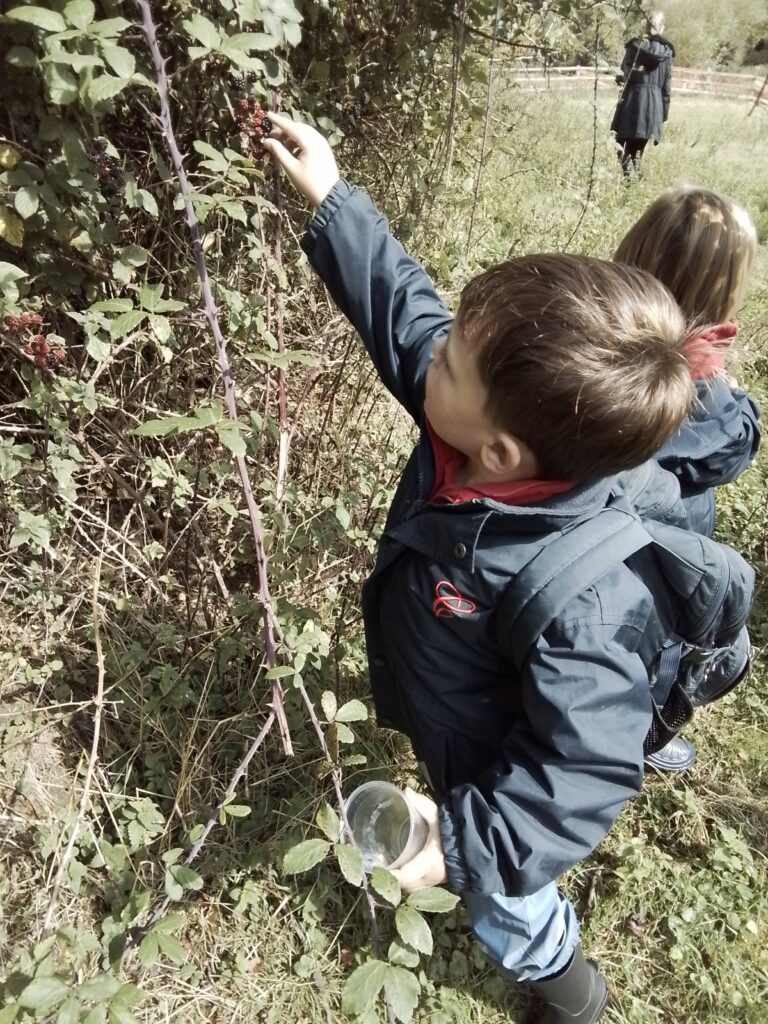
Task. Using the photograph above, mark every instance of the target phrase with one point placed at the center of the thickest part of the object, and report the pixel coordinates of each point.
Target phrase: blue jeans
(526, 938)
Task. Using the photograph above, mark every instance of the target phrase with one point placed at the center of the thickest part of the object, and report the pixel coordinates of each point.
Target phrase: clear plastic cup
(385, 828)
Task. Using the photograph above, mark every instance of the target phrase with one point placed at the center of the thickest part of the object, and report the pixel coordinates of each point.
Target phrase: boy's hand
(427, 867)
(304, 155)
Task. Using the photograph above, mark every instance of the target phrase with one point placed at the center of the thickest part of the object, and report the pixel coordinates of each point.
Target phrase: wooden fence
(685, 81)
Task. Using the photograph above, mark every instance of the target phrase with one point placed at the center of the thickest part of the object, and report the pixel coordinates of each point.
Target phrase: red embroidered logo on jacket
(449, 602)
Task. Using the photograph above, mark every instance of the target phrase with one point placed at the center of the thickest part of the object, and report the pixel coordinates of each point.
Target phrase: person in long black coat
(643, 107)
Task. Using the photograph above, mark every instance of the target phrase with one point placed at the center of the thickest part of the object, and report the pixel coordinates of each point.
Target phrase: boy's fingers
(295, 130)
(427, 808)
(281, 156)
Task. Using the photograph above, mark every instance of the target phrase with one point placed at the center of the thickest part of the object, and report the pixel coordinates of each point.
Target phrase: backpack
(696, 648)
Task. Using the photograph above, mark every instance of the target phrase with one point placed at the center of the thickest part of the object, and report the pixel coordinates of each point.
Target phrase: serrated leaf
(362, 987)
(329, 705)
(328, 820)
(148, 202)
(215, 160)
(434, 900)
(231, 438)
(149, 948)
(39, 17)
(134, 255)
(247, 41)
(11, 227)
(403, 954)
(43, 993)
(158, 428)
(169, 923)
(80, 13)
(100, 988)
(237, 810)
(105, 87)
(62, 84)
(125, 323)
(203, 30)
(26, 201)
(344, 733)
(173, 890)
(172, 948)
(305, 856)
(9, 156)
(413, 929)
(122, 61)
(111, 306)
(69, 1012)
(120, 1015)
(186, 877)
(403, 989)
(352, 711)
(280, 672)
(385, 884)
(350, 862)
(151, 299)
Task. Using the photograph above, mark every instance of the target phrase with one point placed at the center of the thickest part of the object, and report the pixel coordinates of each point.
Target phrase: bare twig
(759, 97)
(591, 185)
(98, 703)
(209, 308)
(484, 143)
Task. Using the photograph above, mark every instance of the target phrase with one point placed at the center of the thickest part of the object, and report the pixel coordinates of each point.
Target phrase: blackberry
(238, 83)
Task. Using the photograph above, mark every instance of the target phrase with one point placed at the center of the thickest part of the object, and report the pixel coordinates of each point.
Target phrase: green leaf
(280, 672)
(105, 87)
(102, 987)
(403, 954)
(170, 923)
(31, 529)
(403, 990)
(413, 929)
(362, 987)
(11, 228)
(385, 884)
(97, 348)
(9, 275)
(120, 1015)
(352, 711)
(434, 900)
(151, 298)
(62, 84)
(203, 30)
(231, 437)
(328, 820)
(69, 1013)
(109, 27)
(172, 948)
(173, 891)
(26, 201)
(80, 13)
(305, 855)
(186, 877)
(135, 255)
(40, 17)
(74, 61)
(248, 41)
(351, 862)
(344, 733)
(216, 161)
(21, 57)
(111, 306)
(148, 202)
(9, 156)
(237, 810)
(329, 705)
(122, 61)
(43, 993)
(149, 947)
(10, 1012)
(125, 323)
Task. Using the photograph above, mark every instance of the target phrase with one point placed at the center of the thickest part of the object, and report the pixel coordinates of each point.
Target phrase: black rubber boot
(575, 996)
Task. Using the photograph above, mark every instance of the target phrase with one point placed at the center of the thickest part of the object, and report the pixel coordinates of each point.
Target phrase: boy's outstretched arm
(384, 293)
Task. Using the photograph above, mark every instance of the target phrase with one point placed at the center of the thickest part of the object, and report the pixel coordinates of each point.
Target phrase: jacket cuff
(327, 210)
(455, 865)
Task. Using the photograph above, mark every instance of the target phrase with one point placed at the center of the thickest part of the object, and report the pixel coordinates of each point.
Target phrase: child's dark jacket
(714, 446)
(530, 769)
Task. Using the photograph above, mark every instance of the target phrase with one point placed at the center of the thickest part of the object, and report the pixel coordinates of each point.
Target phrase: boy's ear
(507, 457)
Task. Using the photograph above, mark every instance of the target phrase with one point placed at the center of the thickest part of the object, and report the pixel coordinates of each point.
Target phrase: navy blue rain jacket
(714, 446)
(530, 769)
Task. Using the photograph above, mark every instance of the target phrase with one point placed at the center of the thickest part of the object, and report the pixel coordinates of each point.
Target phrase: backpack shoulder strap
(573, 561)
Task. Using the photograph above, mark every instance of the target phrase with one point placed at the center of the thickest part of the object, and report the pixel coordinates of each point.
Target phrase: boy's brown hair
(581, 359)
(701, 245)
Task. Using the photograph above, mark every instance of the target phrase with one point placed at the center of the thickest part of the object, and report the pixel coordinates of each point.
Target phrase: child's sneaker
(677, 756)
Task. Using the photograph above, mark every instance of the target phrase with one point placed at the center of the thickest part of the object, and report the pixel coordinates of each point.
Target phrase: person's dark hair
(581, 359)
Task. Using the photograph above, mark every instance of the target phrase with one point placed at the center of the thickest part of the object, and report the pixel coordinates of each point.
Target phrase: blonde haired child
(702, 246)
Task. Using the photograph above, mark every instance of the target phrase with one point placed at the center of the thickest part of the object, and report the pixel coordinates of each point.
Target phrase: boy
(558, 373)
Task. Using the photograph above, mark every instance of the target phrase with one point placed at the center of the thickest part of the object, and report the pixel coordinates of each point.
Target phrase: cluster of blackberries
(254, 125)
(36, 348)
(110, 174)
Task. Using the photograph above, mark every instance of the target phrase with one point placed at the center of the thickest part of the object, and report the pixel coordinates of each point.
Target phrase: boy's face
(456, 396)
